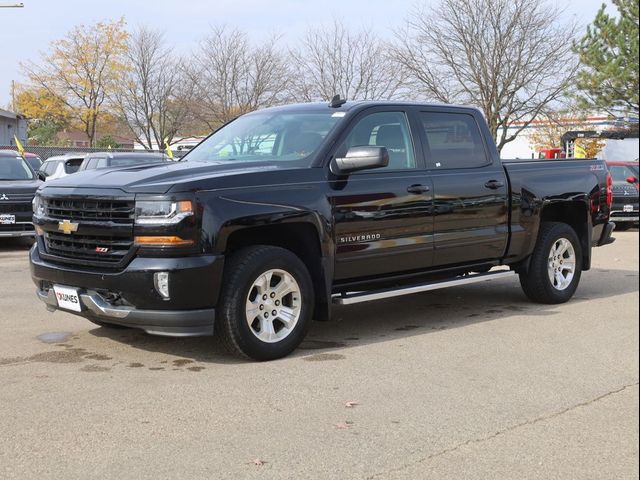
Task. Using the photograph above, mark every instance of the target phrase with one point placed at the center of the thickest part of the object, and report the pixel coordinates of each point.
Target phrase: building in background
(12, 124)
(77, 138)
(523, 146)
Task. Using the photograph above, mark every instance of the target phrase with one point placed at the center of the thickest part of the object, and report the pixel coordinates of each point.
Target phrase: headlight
(37, 205)
(162, 212)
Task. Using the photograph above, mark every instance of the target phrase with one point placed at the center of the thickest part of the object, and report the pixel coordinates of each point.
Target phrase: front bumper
(18, 229)
(172, 323)
(129, 298)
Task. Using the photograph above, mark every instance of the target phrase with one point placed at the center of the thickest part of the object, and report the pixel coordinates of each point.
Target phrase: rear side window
(621, 172)
(453, 140)
(72, 166)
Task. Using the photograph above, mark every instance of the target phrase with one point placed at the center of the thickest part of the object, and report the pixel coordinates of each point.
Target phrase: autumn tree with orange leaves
(81, 70)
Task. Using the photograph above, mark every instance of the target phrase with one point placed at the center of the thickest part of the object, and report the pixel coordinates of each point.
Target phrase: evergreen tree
(608, 79)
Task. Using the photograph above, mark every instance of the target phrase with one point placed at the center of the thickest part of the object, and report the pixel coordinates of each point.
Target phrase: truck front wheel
(266, 303)
(556, 265)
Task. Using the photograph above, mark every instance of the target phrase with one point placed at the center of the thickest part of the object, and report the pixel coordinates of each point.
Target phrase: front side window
(384, 129)
(267, 137)
(453, 140)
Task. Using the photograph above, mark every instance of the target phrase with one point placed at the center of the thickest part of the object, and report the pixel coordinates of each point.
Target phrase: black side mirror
(41, 175)
(360, 158)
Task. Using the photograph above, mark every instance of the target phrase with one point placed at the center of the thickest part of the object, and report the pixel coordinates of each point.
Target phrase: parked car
(33, 160)
(285, 211)
(18, 185)
(61, 165)
(624, 211)
(120, 159)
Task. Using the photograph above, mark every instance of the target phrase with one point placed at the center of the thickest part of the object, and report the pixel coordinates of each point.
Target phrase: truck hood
(159, 178)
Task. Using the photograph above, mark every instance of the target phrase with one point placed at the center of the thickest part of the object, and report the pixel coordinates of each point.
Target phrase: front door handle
(418, 189)
(494, 184)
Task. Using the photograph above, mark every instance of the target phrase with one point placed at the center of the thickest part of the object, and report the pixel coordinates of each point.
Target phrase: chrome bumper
(183, 323)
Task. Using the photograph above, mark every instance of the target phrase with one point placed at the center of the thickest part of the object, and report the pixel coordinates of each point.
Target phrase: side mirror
(632, 179)
(41, 175)
(360, 158)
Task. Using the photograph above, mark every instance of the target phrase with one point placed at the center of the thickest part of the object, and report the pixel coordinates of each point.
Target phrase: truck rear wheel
(556, 265)
(266, 303)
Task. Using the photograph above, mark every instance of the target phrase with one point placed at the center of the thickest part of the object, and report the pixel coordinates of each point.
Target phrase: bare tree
(510, 58)
(231, 76)
(355, 65)
(154, 94)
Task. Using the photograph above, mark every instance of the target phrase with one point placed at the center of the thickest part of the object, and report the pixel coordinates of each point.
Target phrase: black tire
(536, 283)
(622, 226)
(242, 269)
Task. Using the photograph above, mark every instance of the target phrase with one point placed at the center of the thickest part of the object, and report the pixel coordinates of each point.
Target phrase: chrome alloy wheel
(562, 264)
(273, 306)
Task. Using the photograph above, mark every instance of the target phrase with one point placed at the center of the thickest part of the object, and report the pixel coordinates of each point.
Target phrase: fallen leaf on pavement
(351, 404)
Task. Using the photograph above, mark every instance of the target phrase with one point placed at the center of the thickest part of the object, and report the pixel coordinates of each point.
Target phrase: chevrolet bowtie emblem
(67, 227)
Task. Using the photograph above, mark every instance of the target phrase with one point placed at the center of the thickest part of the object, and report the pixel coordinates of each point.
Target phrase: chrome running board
(359, 297)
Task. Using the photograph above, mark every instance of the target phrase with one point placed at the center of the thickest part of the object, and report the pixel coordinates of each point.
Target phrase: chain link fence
(46, 152)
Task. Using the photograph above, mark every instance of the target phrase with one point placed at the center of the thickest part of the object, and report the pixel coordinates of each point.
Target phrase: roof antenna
(337, 102)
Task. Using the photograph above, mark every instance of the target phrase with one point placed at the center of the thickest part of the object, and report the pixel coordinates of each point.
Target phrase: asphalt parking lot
(472, 382)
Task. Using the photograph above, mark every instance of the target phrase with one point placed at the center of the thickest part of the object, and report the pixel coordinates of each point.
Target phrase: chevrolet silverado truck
(285, 212)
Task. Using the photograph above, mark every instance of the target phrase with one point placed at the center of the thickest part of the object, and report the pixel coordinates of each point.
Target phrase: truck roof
(358, 105)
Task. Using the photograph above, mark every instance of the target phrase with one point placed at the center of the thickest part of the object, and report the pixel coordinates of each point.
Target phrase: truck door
(471, 220)
(382, 217)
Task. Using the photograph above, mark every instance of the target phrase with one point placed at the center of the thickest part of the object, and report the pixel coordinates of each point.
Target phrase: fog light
(161, 282)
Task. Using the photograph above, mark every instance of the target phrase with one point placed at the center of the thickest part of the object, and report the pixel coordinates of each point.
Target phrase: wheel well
(573, 214)
(299, 238)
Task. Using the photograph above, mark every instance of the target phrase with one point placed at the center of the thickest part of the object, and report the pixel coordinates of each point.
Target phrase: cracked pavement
(470, 382)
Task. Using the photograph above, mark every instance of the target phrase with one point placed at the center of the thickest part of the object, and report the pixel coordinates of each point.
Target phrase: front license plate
(67, 298)
(627, 208)
(6, 219)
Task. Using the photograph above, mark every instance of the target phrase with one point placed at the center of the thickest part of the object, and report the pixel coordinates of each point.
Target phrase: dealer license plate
(6, 219)
(67, 298)
(627, 208)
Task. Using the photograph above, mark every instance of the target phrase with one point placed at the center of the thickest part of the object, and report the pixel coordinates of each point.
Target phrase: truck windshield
(14, 168)
(269, 137)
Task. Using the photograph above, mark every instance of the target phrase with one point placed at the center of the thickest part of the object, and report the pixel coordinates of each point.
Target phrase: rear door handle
(418, 189)
(494, 184)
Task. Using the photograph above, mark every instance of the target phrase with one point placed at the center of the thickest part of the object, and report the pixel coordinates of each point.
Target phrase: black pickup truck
(283, 212)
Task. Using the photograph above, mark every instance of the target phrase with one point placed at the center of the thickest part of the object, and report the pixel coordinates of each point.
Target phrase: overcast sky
(27, 31)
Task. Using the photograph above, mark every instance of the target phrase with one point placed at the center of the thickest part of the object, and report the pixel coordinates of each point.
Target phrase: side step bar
(359, 297)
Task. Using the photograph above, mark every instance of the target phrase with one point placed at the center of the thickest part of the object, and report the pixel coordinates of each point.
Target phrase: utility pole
(13, 96)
